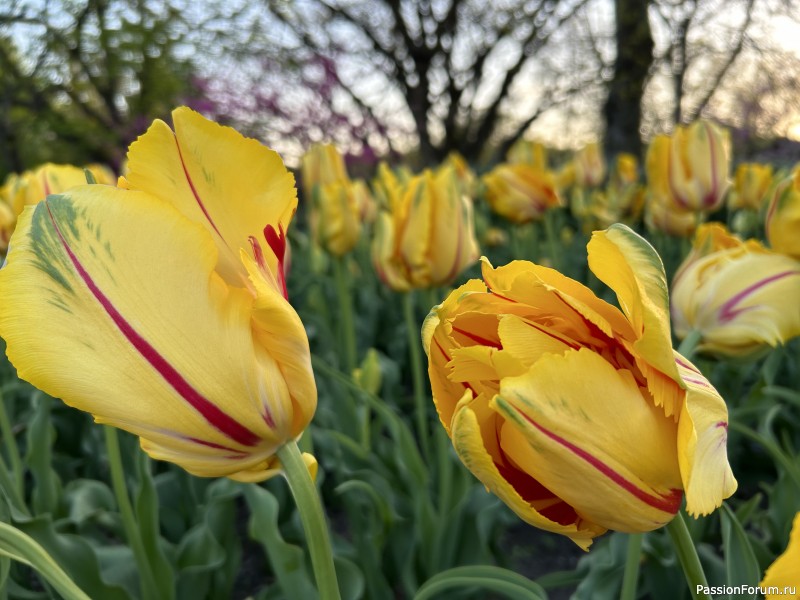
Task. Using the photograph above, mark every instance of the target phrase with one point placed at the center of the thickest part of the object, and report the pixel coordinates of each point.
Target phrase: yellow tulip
(530, 153)
(7, 222)
(428, 237)
(520, 193)
(741, 297)
(699, 165)
(464, 175)
(590, 166)
(367, 207)
(783, 575)
(186, 340)
(322, 164)
(661, 212)
(33, 186)
(623, 199)
(783, 217)
(336, 224)
(750, 185)
(578, 415)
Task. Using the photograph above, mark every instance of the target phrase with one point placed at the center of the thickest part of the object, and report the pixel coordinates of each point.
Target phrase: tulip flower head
(741, 297)
(322, 164)
(661, 212)
(187, 341)
(590, 166)
(750, 185)
(578, 415)
(529, 153)
(783, 573)
(699, 165)
(520, 192)
(783, 217)
(428, 236)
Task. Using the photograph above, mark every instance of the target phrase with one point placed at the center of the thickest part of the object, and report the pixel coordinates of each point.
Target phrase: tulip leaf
(75, 556)
(41, 435)
(147, 517)
(87, 499)
(496, 579)
(742, 566)
(287, 560)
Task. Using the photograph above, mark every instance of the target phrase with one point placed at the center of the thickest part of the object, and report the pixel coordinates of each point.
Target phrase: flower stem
(689, 344)
(553, 244)
(420, 408)
(148, 583)
(313, 518)
(632, 561)
(687, 555)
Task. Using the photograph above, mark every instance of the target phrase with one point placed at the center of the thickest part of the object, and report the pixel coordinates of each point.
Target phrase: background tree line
(79, 80)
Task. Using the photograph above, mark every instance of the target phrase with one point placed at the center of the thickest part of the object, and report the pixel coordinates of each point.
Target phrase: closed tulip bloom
(336, 223)
(783, 217)
(529, 153)
(699, 166)
(464, 175)
(578, 415)
(783, 573)
(322, 164)
(741, 297)
(661, 212)
(750, 185)
(161, 308)
(590, 166)
(428, 237)
(520, 193)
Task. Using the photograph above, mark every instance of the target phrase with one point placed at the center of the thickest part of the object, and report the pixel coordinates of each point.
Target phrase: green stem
(313, 518)
(689, 344)
(148, 583)
(687, 555)
(553, 244)
(632, 561)
(11, 445)
(415, 356)
(348, 335)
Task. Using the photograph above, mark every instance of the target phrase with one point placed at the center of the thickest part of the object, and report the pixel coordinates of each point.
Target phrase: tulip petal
(470, 445)
(596, 441)
(702, 443)
(146, 337)
(783, 572)
(630, 266)
(204, 169)
(279, 330)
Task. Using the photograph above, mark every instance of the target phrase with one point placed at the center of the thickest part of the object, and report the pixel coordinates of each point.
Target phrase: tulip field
(566, 375)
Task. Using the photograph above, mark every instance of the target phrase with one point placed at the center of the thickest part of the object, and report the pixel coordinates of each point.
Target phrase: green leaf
(41, 435)
(742, 566)
(86, 498)
(287, 560)
(16, 545)
(495, 579)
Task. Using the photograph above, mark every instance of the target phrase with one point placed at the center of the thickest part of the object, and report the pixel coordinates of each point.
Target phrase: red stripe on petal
(668, 504)
(277, 242)
(215, 416)
(728, 311)
(194, 190)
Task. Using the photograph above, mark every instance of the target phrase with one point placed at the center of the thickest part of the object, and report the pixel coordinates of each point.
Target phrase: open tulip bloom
(578, 415)
(161, 308)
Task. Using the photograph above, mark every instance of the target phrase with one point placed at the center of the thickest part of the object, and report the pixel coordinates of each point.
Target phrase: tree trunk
(623, 107)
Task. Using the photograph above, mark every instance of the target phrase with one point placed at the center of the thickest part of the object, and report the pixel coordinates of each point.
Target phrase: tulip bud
(322, 164)
(699, 166)
(783, 217)
(520, 193)
(336, 224)
(7, 221)
(741, 297)
(460, 169)
(590, 166)
(368, 376)
(530, 153)
(428, 237)
(750, 185)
